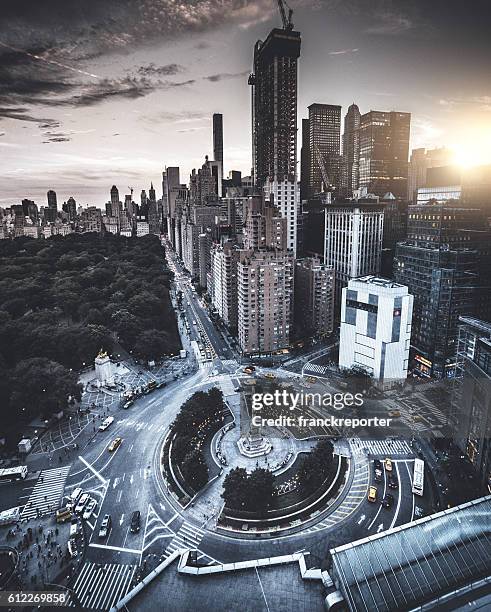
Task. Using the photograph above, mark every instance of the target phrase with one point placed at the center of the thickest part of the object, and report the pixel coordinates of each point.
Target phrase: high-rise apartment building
(375, 333)
(351, 151)
(91, 219)
(305, 161)
(224, 260)
(314, 298)
(275, 105)
(420, 161)
(285, 196)
(265, 294)
(353, 241)
(439, 262)
(324, 145)
(471, 397)
(384, 147)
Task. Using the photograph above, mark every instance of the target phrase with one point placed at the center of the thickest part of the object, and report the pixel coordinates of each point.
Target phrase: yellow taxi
(114, 444)
(372, 494)
(270, 375)
(388, 465)
(394, 413)
(311, 379)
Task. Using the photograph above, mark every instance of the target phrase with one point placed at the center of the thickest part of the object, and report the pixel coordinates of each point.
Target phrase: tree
(195, 470)
(235, 489)
(260, 489)
(315, 467)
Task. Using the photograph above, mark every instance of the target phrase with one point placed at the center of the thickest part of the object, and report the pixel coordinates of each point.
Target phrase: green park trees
(63, 299)
(315, 467)
(251, 492)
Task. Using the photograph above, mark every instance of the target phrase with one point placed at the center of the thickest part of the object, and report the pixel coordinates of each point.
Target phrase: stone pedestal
(104, 369)
(254, 445)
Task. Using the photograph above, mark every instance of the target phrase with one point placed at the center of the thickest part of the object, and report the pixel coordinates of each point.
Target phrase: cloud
(390, 24)
(215, 78)
(153, 70)
(479, 102)
(343, 51)
(21, 114)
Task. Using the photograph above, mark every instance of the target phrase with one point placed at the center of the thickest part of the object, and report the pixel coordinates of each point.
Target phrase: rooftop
(416, 563)
(387, 283)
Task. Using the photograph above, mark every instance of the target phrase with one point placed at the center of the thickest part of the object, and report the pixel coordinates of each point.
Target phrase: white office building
(375, 332)
(353, 241)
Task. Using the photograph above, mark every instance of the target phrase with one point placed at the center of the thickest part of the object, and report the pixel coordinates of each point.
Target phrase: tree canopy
(64, 298)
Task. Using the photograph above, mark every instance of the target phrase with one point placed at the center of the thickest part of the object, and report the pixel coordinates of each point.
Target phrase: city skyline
(85, 113)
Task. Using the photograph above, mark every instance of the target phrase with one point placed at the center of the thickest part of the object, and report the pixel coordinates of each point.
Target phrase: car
(89, 509)
(237, 389)
(394, 413)
(105, 423)
(269, 375)
(311, 379)
(82, 502)
(127, 404)
(387, 501)
(63, 514)
(135, 522)
(194, 323)
(378, 475)
(372, 494)
(393, 482)
(105, 527)
(114, 444)
(76, 493)
(377, 464)
(388, 465)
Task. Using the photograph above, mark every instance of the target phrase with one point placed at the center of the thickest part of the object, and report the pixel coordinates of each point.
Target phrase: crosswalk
(315, 368)
(141, 425)
(229, 362)
(47, 493)
(188, 536)
(99, 587)
(353, 499)
(384, 448)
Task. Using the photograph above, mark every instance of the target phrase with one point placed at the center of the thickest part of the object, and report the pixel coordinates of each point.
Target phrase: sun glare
(475, 153)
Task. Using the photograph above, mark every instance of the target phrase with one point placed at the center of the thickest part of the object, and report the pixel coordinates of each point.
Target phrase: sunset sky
(110, 91)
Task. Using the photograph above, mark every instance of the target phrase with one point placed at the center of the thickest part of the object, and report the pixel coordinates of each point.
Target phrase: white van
(76, 493)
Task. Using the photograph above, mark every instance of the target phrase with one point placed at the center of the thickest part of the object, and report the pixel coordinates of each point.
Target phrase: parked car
(89, 509)
(82, 502)
(135, 522)
(105, 527)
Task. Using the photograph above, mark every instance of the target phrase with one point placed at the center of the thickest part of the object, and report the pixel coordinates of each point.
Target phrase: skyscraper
(218, 144)
(305, 161)
(421, 160)
(51, 213)
(324, 145)
(384, 146)
(114, 202)
(274, 102)
(351, 150)
(353, 241)
(439, 263)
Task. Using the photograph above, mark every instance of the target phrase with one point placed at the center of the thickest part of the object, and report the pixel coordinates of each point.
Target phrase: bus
(14, 473)
(418, 477)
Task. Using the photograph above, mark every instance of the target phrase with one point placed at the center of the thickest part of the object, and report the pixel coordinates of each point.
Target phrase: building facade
(351, 151)
(375, 333)
(324, 144)
(353, 241)
(314, 298)
(384, 147)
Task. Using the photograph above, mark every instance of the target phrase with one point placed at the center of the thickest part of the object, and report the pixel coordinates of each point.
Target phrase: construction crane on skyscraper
(287, 21)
